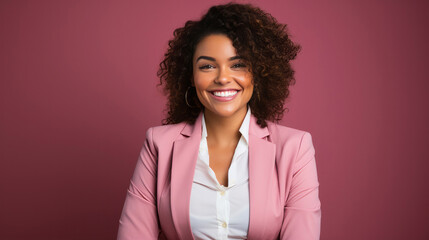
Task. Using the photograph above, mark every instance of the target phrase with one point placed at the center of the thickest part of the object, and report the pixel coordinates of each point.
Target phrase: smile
(225, 93)
(224, 96)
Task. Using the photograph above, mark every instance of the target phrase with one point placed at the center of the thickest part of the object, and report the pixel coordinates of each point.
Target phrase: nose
(223, 76)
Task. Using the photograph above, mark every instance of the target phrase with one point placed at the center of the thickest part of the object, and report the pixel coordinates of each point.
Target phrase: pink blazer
(283, 184)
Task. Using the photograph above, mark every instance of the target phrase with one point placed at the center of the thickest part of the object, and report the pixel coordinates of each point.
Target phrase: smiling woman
(221, 167)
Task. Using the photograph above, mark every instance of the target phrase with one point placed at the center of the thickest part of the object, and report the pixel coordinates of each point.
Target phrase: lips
(224, 94)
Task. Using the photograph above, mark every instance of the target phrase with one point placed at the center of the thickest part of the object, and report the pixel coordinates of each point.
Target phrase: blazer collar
(254, 128)
(261, 165)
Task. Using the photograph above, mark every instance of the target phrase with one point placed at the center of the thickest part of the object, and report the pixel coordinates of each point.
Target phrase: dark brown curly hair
(258, 38)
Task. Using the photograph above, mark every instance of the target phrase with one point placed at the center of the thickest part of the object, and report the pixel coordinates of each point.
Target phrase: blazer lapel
(261, 165)
(185, 154)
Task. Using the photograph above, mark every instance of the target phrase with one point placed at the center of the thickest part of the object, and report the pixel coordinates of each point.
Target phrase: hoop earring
(186, 99)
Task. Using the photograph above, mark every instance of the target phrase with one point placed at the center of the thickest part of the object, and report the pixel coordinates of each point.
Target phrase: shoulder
(288, 137)
(164, 133)
(294, 147)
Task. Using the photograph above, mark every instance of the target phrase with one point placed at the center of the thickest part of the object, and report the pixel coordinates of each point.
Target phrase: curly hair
(258, 38)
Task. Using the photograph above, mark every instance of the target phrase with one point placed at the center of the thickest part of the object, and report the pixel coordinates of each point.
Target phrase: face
(222, 80)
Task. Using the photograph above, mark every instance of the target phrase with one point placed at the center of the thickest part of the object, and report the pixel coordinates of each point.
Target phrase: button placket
(223, 211)
(223, 218)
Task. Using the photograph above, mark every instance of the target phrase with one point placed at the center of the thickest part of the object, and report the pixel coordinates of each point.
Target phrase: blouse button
(222, 192)
(224, 224)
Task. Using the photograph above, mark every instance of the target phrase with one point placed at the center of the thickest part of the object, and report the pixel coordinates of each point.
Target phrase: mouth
(224, 95)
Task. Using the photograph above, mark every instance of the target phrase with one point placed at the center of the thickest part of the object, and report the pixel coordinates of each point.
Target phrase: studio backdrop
(78, 90)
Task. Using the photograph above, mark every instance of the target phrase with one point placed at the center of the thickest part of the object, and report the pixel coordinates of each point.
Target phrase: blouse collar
(244, 128)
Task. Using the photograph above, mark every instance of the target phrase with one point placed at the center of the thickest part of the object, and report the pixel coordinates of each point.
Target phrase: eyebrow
(213, 59)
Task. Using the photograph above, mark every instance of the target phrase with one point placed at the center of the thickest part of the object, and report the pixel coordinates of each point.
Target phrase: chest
(177, 167)
(220, 159)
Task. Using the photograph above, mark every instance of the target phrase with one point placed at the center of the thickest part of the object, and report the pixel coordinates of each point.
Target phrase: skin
(216, 66)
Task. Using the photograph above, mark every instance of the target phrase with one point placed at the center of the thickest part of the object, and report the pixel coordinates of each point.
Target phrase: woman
(220, 167)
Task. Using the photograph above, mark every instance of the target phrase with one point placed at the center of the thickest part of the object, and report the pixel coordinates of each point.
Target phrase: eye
(207, 66)
(239, 65)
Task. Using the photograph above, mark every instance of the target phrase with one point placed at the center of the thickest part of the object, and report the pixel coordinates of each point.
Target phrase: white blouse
(216, 211)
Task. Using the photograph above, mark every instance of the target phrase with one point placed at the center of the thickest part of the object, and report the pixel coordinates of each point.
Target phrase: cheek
(198, 78)
(200, 87)
(245, 79)
(201, 81)
(247, 83)
(248, 86)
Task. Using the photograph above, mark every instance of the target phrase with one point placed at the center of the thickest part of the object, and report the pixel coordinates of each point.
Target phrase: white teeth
(225, 93)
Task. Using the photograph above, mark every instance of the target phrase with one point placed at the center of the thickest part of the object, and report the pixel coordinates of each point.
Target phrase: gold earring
(186, 99)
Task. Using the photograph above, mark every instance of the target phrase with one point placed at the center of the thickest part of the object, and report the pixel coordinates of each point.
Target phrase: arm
(139, 219)
(302, 212)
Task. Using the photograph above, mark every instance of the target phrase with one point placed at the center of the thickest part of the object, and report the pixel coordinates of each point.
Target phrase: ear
(192, 81)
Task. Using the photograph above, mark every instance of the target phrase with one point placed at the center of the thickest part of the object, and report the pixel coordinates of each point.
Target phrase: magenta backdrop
(78, 91)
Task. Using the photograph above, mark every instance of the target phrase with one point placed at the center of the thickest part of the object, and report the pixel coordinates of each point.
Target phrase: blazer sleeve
(302, 214)
(139, 218)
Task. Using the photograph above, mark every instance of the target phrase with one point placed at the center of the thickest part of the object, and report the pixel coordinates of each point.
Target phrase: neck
(224, 130)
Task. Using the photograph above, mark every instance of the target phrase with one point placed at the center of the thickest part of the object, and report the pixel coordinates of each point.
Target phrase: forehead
(218, 46)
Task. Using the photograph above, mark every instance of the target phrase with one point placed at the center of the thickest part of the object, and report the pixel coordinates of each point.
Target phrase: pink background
(78, 91)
